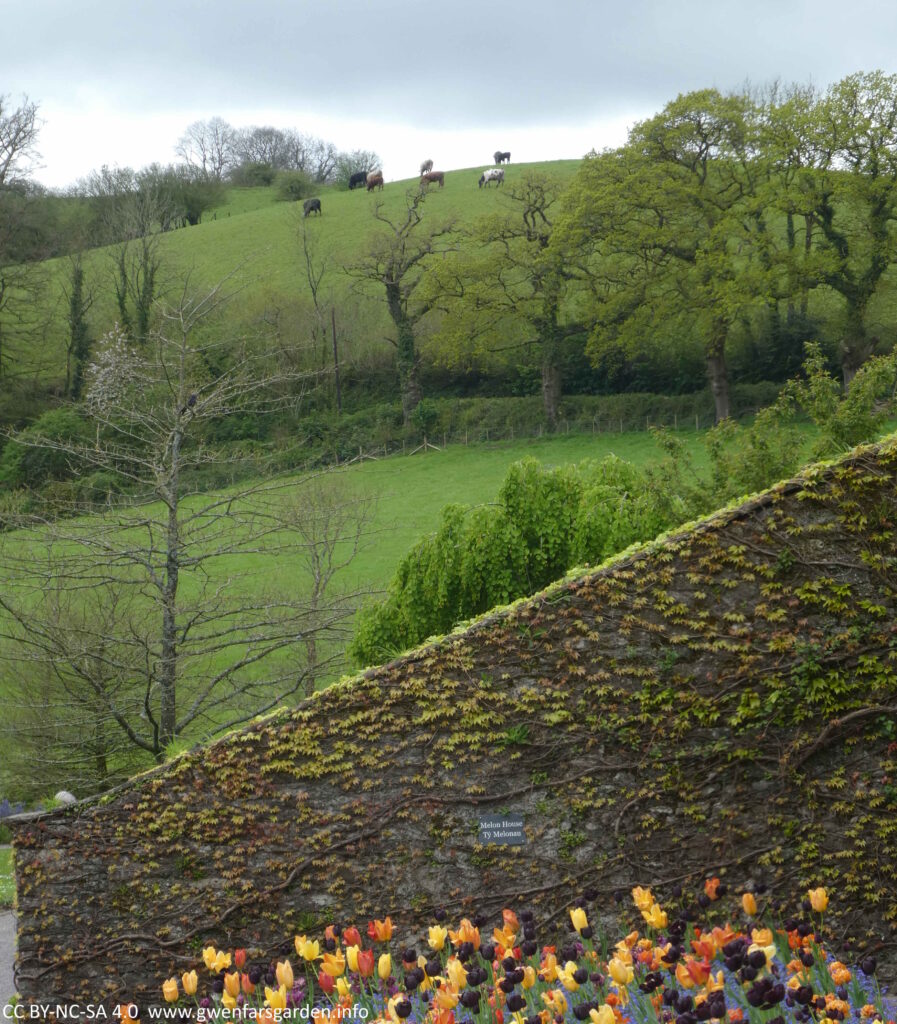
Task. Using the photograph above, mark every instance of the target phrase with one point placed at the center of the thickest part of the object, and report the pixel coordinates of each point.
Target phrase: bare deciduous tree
(19, 127)
(177, 613)
(208, 146)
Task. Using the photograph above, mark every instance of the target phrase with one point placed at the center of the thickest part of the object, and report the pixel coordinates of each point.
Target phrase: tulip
(343, 988)
(711, 888)
(818, 899)
(749, 904)
(208, 956)
(309, 950)
(467, 932)
(566, 978)
(189, 980)
(436, 937)
(222, 962)
(603, 1015)
(579, 919)
(549, 967)
(457, 973)
(276, 999)
(642, 897)
(620, 971)
(284, 973)
(246, 984)
(334, 964)
(326, 982)
(239, 959)
(380, 931)
(529, 977)
(232, 983)
(555, 1000)
(384, 966)
(351, 936)
(446, 999)
(170, 990)
(365, 962)
(352, 957)
(510, 920)
(762, 936)
(655, 916)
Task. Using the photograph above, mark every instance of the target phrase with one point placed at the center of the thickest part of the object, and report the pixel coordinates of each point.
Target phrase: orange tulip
(334, 964)
(351, 936)
(232, 983)
(466, 933)
(380, 931)
(239, 959)
(749, 904)
(511, 924)
(711, 888)
(246, 984)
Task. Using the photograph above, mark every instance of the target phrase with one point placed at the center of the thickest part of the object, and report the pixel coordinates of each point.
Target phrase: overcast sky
(117, 81)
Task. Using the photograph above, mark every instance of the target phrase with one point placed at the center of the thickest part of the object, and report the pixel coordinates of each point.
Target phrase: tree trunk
(551, 390)
(406, 354)
(168, 669)
(718, 375)
(856, 346)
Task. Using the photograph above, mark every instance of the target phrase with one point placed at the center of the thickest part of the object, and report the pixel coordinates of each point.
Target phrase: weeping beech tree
(177, 612)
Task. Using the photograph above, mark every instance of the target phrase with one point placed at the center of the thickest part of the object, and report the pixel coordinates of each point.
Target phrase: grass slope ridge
(259, 246)
(722, 699)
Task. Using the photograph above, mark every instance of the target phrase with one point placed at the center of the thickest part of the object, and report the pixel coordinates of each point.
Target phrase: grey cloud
(435, 63)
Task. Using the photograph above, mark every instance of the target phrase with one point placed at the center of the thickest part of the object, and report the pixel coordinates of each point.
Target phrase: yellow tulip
(749, 904)
(189, 981)
(642, 897)
(762, 936)
(655, 916)
(232, 983)
(284, 972)
(343, 987)
(384, 966)
(352, 958)
(276, 999)
(818, 899)
(208, 956)
(457, 973)
(554, 998)
(229, 1001)
(170, 990)
(311, 950)
(620, 971)
(603, 1015)
(446, 998)
(529, 977)
(222, 962)
(437, 937)
(579, 919)
(566, 978)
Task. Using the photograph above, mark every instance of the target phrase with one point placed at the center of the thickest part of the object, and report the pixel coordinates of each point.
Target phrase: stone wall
(721, 700)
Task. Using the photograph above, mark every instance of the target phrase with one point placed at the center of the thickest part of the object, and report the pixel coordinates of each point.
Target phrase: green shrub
(41, 453)
(252, 174)
(293, 185)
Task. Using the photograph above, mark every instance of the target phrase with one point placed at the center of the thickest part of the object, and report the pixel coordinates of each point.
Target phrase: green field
(254, 237)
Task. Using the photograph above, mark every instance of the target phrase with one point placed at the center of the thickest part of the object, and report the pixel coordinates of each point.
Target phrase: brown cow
(375, 180)
(431, 176)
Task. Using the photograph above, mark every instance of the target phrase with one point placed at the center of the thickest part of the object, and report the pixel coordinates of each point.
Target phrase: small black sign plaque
(502, 831)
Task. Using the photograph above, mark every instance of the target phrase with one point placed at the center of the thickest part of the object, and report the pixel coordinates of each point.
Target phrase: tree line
(726, 214)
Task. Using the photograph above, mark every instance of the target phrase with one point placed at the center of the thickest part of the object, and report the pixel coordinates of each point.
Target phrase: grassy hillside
(256, 235)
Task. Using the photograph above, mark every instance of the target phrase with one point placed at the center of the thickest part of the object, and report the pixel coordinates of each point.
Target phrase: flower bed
(682, 967)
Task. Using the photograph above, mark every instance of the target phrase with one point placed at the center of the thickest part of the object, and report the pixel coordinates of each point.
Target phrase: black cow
(311, 206)
(500, 157)
(358, 178)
